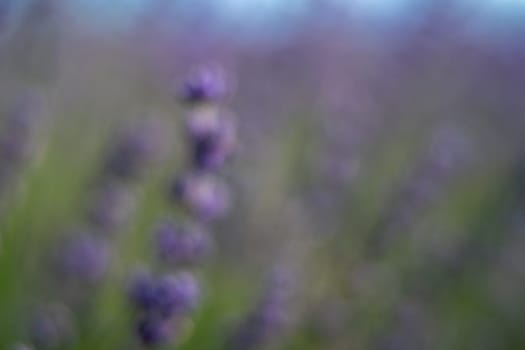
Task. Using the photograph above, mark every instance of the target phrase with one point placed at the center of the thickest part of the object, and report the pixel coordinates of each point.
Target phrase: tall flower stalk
(164, 300)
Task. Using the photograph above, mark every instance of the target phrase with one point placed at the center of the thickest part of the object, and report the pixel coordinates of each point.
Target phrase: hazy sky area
(263, 16)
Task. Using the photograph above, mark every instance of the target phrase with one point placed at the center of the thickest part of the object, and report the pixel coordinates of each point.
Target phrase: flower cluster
(83, 256)
(163, 300)
(182, 245)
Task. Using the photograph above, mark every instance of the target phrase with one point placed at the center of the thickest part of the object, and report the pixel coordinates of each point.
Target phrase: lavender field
(179, 176)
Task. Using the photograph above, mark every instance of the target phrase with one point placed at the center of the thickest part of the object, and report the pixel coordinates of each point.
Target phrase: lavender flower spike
(206, 84)
(214, 147)
(176, 294)
(142, 290)
(83, 258)
(161, 302)
(165, 296)
(153, 331)
(184, 245)
(206, 196)
(164, 301)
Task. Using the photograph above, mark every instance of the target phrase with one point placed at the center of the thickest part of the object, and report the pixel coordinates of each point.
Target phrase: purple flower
(166, 296)
(206, 196)
(182, 244)
(84, 258)
(207, 84)
(211, 150)
(176, 294)
(212, 137)
(142, 290)
(153, 331)
(161, 302)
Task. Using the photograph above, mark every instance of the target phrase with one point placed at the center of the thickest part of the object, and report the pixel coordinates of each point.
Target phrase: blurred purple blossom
(212, 144)
(187, 244)
(206, 196)
(205, 84)
(142, 289)
(166, 295)
(161, 302)
(164, 300)
(83, 258)
(153, 330)
(178, 293)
